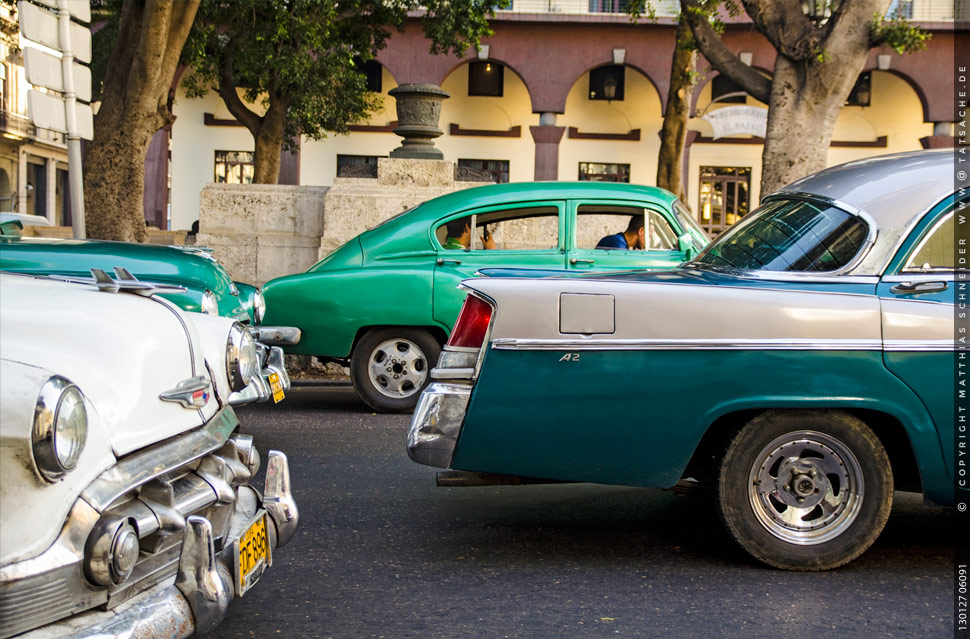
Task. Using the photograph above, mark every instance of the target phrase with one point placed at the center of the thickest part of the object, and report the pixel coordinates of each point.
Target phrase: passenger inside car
(460, 236)
(634, 237)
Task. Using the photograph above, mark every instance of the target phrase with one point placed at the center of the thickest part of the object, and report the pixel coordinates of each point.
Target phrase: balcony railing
(663, 8)
(916, 10)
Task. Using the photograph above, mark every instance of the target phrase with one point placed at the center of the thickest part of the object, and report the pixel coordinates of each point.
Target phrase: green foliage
(898, 34)
(106, 15)
(304, 54)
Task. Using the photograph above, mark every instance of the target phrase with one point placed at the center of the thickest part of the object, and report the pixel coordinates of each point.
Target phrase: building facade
(563, 90)
(33, 162)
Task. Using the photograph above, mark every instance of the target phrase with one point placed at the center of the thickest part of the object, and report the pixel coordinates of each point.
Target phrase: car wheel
(390, 366)
(805, 490)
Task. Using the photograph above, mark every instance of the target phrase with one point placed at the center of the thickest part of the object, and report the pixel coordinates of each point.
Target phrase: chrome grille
(44, 598)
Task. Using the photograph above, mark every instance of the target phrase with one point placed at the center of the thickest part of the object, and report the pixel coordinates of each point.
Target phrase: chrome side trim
(911, 346)
(154, 461)
(685, 344)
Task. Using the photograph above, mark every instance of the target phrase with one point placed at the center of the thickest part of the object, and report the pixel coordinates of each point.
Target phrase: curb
(316, 383)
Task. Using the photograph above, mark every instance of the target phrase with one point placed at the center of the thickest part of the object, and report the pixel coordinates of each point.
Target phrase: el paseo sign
(738, 120)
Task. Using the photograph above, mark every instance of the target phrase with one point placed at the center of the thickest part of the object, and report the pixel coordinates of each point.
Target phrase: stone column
(547, 136)
(22, 181)
(50, 205)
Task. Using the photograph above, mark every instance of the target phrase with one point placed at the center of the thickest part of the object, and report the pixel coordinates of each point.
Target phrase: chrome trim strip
(935, 345)
(157, 460)
(452, 373)
(925, 276)
(801, 277)
(508, 343)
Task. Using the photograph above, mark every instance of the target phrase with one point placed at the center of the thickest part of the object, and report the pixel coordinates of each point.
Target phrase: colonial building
(563, 90)
(33, 162)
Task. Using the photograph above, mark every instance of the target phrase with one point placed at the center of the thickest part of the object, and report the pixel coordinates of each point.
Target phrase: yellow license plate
(277, 386)
(252, 554)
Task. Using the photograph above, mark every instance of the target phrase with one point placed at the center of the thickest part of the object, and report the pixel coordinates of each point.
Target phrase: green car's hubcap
(398, 368)
(806, 487)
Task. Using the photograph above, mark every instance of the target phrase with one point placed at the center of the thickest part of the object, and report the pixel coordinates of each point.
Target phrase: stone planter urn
(418, 110)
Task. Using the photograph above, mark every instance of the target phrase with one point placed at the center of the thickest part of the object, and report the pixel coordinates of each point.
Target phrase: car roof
(893, 189)
(518, 191)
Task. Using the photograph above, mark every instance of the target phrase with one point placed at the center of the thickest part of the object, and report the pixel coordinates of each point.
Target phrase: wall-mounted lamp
(609, 88)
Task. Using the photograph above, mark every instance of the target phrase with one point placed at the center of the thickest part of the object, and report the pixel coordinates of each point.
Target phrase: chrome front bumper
(437, 422)
(259, 390)
(183, 511)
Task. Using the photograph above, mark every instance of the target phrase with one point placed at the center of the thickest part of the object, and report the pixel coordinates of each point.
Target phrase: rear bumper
(436, 423)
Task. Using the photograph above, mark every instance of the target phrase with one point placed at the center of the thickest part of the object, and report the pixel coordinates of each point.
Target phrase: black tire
(390, 367)
(823, 470)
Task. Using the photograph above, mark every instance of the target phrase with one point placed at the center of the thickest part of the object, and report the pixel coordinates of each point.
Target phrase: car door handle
(575, 260)
(912, 288)
(440, 261)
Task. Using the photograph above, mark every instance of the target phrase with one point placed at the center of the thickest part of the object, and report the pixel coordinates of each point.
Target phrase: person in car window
(634, 237)
(460, 236)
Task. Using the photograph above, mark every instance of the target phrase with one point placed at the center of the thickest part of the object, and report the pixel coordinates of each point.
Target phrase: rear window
(790, 235)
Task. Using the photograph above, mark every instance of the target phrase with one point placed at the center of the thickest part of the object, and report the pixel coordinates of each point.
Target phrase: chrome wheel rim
(397, 368)
(806, 487)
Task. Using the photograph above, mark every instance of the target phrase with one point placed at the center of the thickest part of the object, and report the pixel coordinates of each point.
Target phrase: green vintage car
(205, 287)
(386, 300)
(802, 366)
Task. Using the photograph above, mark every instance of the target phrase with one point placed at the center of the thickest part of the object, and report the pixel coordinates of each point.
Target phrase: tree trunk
(806, 100)
(670, 163)
(269, 145)
(134, 106)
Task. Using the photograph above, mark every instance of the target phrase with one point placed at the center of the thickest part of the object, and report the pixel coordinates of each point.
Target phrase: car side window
(520, 229)
(935, 250)
(595, 223)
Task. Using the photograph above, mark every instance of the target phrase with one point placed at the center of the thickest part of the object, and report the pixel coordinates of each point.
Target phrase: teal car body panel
(398, 274)
(681, 352)
(189, 267)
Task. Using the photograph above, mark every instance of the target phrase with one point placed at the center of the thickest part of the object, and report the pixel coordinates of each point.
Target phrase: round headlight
(210, 304)
(241, 362)
(60, 428)
(259, 307)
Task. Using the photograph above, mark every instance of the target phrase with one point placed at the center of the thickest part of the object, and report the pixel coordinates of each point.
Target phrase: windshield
(789, 235)
(690, 224)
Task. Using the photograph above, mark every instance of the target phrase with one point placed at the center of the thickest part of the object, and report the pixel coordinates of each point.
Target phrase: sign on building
(738, 120)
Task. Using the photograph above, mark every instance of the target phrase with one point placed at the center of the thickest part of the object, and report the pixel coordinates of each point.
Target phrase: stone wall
(354, 205)
(264, 231)
(261, 231)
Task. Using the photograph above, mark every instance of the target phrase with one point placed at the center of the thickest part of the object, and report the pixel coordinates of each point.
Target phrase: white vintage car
(125, 503)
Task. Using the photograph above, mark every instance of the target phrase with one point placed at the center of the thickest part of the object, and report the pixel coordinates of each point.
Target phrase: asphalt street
(383, 552)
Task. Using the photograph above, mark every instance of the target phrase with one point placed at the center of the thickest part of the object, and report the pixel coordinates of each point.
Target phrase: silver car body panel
(662, 315)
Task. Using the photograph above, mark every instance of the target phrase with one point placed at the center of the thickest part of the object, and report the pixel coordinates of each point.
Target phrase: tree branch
(714, 49)
(227, 91)
(787, 28)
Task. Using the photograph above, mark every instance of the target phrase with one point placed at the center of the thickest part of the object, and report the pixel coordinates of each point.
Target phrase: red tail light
(472, 324)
